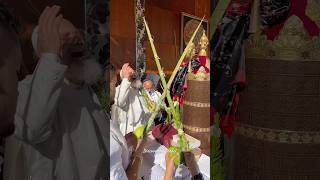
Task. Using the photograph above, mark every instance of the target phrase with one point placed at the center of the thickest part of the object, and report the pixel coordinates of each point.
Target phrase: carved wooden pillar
(140, 35)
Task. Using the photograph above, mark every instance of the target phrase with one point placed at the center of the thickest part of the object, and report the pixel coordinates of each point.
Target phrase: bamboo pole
(183, 143)
(161, 73)
(175, 71)
(159, 67)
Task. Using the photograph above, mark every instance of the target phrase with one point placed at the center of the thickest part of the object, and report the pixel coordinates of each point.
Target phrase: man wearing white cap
(130, 107)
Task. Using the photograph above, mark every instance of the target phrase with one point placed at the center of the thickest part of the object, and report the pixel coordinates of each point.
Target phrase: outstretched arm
(122, 91)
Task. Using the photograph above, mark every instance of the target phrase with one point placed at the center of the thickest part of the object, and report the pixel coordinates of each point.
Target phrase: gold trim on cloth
(197, 104)
(196, 129)
(292, 44)
(199, 76)
(278, 136)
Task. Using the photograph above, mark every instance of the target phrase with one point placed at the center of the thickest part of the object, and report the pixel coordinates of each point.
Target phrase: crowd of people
(52, 121)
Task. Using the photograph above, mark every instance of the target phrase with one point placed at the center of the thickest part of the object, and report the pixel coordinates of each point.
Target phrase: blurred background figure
(10, 59)
(61, 130)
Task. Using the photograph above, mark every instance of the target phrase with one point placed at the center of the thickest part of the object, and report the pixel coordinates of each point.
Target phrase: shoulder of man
(25, 82)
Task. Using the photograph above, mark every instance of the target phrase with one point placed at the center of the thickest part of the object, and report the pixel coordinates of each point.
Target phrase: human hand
(132, 140)
(127, 72)
(49, 23)
(191, 163)
(169, 166)
(170, 161)
(141, 145)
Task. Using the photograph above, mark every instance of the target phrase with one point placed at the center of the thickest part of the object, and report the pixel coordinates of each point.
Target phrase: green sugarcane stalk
(175, 71)
(150, 106)
(217, 165)
(183, 143)
(161, 73)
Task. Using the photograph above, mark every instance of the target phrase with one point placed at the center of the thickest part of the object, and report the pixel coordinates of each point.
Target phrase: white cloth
(154, 163)
(119, 154)
(129, 109)
(154, 96)
(61, 131)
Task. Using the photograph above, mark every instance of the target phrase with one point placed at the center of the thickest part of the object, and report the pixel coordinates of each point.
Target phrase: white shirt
(154, 95)
(61, 130)
(129, 109)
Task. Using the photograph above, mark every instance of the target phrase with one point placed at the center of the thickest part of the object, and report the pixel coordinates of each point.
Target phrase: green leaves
(103, 96)
(217, 165)
(138, 132)
(173, 150)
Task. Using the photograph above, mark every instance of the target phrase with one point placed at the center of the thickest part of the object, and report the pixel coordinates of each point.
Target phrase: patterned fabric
(298, 8)
(97, 38)
(228, 64)
(97, 30)
(179, 86)
(273, 11)
(140, 35)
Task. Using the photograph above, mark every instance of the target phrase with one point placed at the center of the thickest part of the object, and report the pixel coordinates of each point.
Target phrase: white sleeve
(117, 171)
(122, 92)
(37, 100)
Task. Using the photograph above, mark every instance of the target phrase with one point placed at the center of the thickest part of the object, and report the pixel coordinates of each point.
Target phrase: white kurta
(155, 96)
(129, 109)
(61, 131)
(119, 154)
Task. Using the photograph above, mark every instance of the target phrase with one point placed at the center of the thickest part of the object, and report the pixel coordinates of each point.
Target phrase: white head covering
(34, 39)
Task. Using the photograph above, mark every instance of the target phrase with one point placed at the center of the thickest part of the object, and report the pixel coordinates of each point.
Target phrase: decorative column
(140, 35)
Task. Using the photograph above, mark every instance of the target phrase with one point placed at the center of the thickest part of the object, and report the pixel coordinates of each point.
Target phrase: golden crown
(203, 43)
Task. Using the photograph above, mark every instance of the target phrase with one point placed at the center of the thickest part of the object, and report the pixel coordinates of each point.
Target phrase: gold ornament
(201, 75)
(197, 104)
(293, 43)
(292, 40)
(191, 51)
(278, 135)
(204, 42)
(257, 46)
